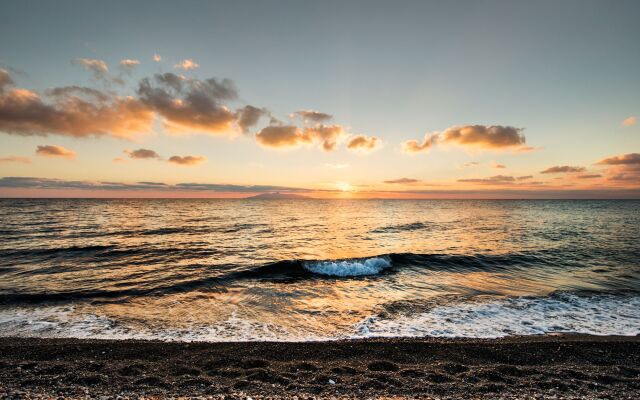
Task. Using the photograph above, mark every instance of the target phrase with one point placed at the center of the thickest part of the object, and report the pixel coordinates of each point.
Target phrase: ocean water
(296, 270)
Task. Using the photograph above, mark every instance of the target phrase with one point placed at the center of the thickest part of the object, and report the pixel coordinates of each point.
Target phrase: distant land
(277, 195)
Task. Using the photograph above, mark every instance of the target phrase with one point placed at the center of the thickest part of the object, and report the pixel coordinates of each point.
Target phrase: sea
(307, 270)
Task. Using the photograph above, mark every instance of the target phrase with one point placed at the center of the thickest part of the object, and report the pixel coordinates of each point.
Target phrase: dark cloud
(187, 160)
(590, 176)
(55, 151)
(142, 154)
(363, 142)
(525, 177)
(562, 169)
(190, 104)
(72, 111)
(282, 136)
(402, 181)
(248, 116)
(624, 159)
(474, 136)
(310, 116)
(47, 183)
(497, 179)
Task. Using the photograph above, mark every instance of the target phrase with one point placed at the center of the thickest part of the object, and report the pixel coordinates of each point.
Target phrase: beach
(551, 366)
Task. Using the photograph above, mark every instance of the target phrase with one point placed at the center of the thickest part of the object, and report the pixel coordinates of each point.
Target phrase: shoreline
(566, 366)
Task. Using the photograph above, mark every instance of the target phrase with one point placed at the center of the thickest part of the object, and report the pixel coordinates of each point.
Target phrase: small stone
(332, 382)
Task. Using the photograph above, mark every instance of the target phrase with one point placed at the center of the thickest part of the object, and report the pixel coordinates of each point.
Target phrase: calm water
(310, 269)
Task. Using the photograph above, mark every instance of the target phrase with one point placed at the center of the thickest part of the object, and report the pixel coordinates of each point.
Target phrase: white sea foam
(596, 315)
(566, 313)
(343, 268)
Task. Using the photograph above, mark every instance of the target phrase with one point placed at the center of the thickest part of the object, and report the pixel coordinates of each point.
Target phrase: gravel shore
(565, 366)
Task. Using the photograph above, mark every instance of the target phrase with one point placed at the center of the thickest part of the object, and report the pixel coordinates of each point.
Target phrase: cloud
(98, 67)
(310, 116)
(471, 164)
(157, 57)
(190, 104)
(497, 179)
(524, 178)
(402, 181)
(497, 165)
(142, 154)
(249, 116)
(283, 136)
(5, 80)
(48, 183)
(16, 159)
(328, 135)
(336, 166)
(624, 167)
(412, 146)
(187, 160)
(631, 121)
(187, 64)
(494, 137)
(55, 151)
(624, 159)
(562, 169)
(589, 176)
(129, 64)
(363, 143)
(71, 111)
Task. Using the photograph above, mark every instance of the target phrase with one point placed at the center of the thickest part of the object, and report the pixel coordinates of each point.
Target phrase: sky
(332, 99)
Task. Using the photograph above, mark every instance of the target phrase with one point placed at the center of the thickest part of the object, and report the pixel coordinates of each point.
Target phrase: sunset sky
(344, 99)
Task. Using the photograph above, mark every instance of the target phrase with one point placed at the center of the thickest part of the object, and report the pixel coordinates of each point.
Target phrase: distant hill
(277, 195)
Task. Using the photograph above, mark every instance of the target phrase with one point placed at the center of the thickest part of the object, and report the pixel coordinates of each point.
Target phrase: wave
(290, 271)
(560, 312)
(344, 268)
(595, 314)
(414, 226)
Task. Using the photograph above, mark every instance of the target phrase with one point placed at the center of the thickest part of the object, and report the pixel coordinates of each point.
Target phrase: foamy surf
(345, 268)
(481, 318)
(560, 313)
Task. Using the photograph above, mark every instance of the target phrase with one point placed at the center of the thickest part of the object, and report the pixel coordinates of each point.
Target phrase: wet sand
(568, 366)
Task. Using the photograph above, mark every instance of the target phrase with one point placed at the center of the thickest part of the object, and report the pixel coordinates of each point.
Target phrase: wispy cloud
(15, 159)
(497, 179)
(187, 64)
(55, 151)
(336, 166)
(128, 64)
(187, 160)
(562, 169)
(47, 183)
(631, 121)
(624, 159)
(311, 116)
(404, 181)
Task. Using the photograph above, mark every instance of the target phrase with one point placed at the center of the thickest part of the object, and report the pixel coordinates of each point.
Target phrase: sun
(344, 186)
